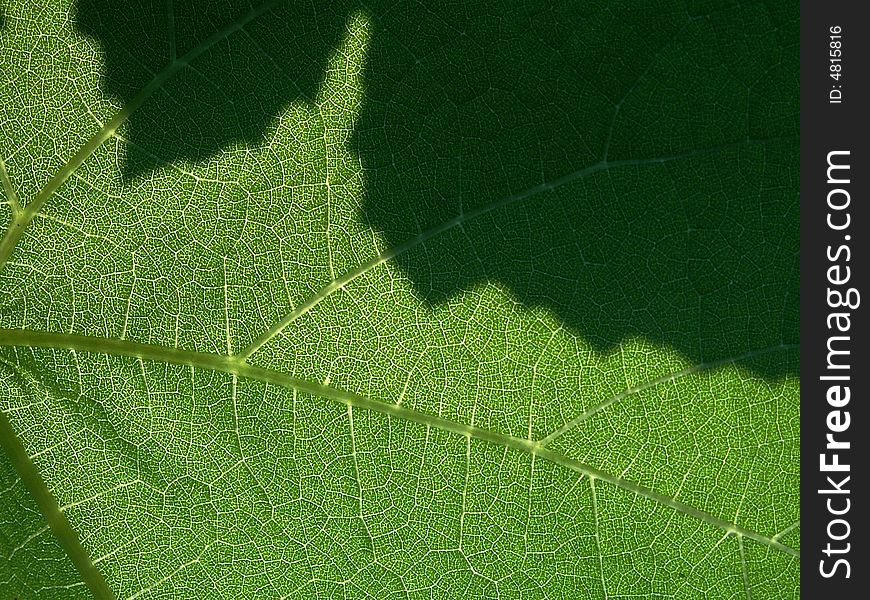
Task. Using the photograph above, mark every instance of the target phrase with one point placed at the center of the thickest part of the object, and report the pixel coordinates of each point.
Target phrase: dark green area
(467, 104)
(232, 92)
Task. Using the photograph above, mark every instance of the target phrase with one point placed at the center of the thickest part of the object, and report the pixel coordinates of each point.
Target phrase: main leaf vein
(234, 366)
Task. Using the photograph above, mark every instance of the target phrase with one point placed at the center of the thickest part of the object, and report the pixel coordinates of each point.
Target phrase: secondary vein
(341, 281)
(659, 381)
(23, 219)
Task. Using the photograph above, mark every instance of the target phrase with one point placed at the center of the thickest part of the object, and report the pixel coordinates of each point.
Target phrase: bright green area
(397, 301)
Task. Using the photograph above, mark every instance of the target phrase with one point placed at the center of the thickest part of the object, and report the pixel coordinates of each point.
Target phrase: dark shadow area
(231, 92)
(687, 238)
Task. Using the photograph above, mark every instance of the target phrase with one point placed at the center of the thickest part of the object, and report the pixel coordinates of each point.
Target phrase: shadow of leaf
(240, 79)
(631, 168)
(688, 236)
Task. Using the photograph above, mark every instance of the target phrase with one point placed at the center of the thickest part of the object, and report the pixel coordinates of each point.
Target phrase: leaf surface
(383, 300)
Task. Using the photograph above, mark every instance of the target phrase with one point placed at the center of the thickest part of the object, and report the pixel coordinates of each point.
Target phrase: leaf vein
(23, 220)
(342, 281)
(588, 413)
(233, 366)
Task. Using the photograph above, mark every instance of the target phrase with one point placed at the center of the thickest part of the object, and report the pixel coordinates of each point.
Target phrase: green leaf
(385, 300)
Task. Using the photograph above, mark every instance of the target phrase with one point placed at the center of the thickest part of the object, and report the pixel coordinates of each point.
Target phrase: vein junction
(235, 366)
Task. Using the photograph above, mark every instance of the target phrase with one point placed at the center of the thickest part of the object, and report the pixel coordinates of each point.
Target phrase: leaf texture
(395, 301)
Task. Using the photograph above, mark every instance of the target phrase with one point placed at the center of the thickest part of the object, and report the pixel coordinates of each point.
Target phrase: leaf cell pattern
(393, 301)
